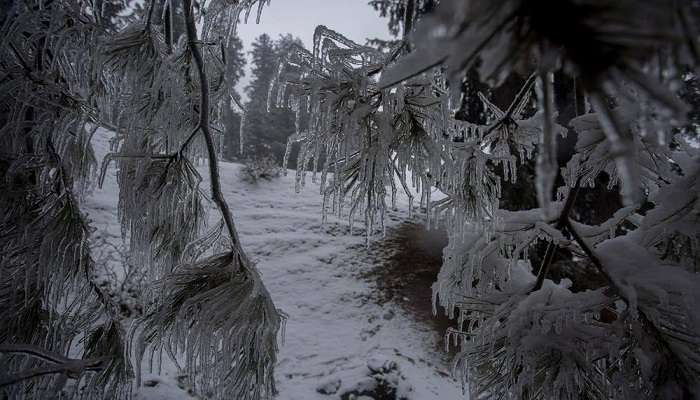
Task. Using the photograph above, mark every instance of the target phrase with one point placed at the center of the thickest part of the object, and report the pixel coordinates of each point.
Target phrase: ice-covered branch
(219, 302)
(59, 364)
(215, 183)
(561, 223)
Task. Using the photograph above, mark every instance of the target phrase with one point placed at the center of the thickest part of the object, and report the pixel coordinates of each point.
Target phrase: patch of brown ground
(405, 272)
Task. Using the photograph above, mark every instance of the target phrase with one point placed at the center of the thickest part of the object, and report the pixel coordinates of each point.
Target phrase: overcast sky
(353, 18)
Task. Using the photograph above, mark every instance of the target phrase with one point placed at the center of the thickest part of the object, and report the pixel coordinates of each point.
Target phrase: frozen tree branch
(60, 364)
(187, 141)
(217, 196)
(561, 223)
(646, 322)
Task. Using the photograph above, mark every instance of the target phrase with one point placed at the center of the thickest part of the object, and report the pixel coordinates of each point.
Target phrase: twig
(508, 115)
(403, 184)
(217, 196)
(113, 156)
(61, 364)
(497, 29)
(149, 18)
(33, 351)
(562, 222)
(188, 140)
(591, 255)
(71, 369)
(238, 103)
(20, 58)
(646, 322)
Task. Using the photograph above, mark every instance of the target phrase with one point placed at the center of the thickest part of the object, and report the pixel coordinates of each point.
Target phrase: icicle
(427, 207)
(261, 3)
(241, 132)
(546, 167)
(316, 157)
(435, 291)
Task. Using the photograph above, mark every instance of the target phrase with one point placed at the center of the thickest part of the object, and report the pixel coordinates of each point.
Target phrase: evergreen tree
(283, 119)
(267, 128)
(258, 133)
(235, 61)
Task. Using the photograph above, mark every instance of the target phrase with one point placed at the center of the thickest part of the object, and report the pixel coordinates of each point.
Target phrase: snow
(336, 337)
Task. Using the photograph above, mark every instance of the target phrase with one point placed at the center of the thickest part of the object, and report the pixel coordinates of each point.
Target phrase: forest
(496, 200)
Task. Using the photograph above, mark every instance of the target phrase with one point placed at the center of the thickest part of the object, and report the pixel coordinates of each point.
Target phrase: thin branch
(643, 318)
(33, 351)
(238, 103)
(114, 156)
(561, 223)
(20, 58)
(521, 94)
(470, 58)
(217, 196)
(149, 18)
(188, 140)
(515, 105)
(60, 364)
(72, 368)
(592, 256)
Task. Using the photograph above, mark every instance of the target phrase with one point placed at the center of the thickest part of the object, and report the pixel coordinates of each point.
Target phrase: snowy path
(313, 273)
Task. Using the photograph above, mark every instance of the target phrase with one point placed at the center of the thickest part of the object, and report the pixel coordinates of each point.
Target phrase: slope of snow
(336, 337)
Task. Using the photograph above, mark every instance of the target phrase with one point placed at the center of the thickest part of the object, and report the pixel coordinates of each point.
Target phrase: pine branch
(561, 223)
(33, 351)
(149, 18)
(219, 302)
(514, 107)
(217, 196)
(187, 141)
(591, 255)
(646, 322)
(108, 158)
(61, 365)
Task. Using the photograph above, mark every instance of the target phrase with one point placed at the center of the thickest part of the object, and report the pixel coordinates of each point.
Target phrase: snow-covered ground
(336, 335)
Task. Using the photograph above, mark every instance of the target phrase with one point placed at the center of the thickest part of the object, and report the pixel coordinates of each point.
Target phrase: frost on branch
(68, 69)
(548, 344)
(522, 334)
(371, 138)
(48, 296)
(217, 313)
(657, 281)
(378, 122)
(587, 39)
(666, 294)
(595, 155)
(161, 210)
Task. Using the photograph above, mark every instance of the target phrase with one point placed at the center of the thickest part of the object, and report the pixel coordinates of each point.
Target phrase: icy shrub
(260, 167)
(384, 381)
